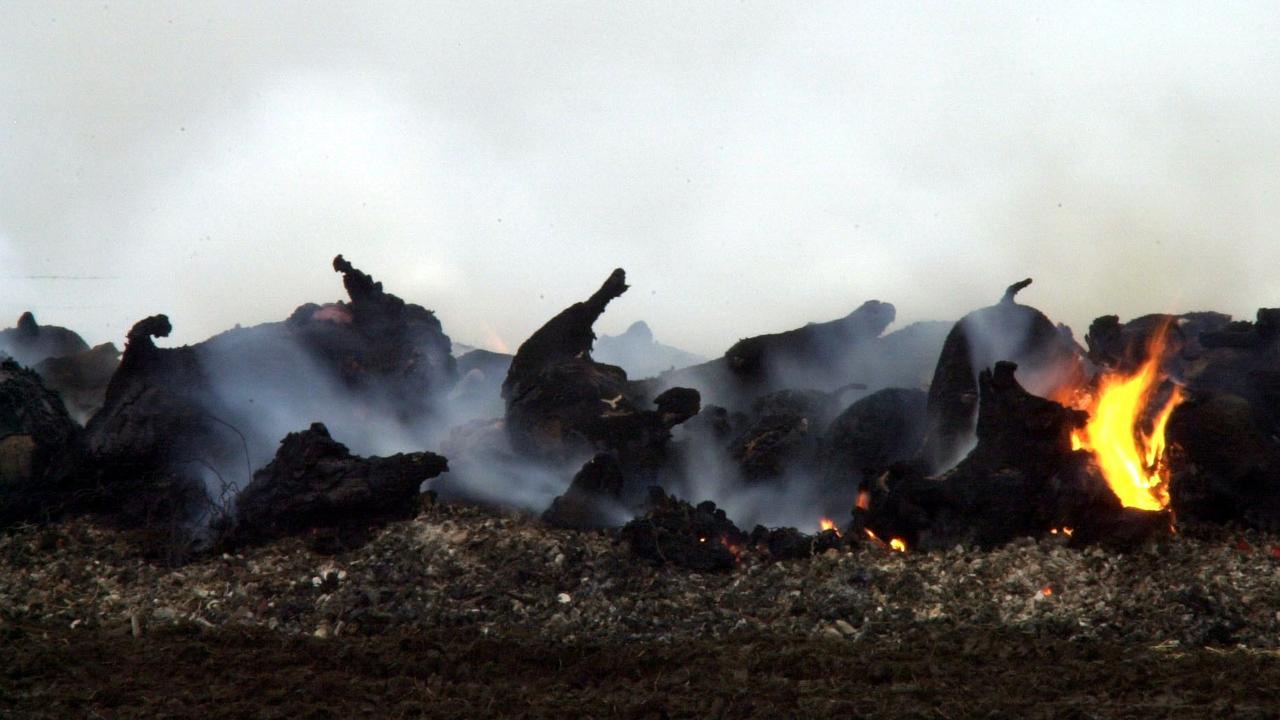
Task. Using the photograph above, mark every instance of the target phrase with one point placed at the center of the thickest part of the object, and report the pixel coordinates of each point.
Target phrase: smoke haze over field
(752, 166)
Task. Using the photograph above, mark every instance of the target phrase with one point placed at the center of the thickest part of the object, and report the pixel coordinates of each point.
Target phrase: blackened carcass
(871, 435)
(315, 485)
(788, 543)
(673, 531)
(1224, 438)
(478, 393)
(819, 356)
(161, 436)
(374, 369)
(1022, 479)
(40, 446)
(783, 434)
(30, 342)
(81, 379)
(178, 421)
(594, 499)
(562, 404)
(1046, 355)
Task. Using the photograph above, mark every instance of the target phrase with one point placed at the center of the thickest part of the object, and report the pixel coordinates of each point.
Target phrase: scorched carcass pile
(333, 422)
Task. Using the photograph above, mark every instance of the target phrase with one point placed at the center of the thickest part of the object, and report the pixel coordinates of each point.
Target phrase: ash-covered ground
(465, 612)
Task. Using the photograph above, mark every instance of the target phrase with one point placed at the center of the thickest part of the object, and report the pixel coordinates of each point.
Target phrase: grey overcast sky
(753, 166)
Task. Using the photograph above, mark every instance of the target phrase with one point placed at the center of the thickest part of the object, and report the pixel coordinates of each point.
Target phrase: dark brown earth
(188, 672)
(466, 613)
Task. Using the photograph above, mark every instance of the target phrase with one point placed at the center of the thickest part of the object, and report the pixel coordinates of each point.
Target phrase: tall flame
(1131, 460)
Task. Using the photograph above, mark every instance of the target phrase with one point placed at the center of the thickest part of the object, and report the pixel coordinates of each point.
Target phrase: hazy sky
(753, 166)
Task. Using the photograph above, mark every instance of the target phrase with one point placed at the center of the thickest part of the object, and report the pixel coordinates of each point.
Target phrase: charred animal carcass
(562, 404)
(81, 379)
(1023, 478)
(819, 356)
(160, 437)
(40, 446)
(1045, 354)
(30, 342)
(315, 485)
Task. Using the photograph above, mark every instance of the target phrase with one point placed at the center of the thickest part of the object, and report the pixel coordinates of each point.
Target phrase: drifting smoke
(637, 352)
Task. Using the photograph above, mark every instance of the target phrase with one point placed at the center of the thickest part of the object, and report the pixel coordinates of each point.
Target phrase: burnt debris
(672, 531)
(315, 485)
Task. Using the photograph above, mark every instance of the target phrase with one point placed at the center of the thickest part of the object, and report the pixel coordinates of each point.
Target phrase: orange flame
(826, 524)
(864, 500)
(1131, 460)
(896, 544)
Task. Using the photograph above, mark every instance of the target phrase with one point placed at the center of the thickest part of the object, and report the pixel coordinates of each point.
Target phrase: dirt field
(187, 672)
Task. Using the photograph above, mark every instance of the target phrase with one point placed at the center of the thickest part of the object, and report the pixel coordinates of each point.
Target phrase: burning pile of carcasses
(970, 433)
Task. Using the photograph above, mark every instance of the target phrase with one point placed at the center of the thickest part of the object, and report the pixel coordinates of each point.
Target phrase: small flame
(826, 524)
(1046, 591)
(1131, 460)
(864, 500)
(734, 550)
(894, 544)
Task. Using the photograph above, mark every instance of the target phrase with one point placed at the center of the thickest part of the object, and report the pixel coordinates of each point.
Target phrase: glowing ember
(1130, 459)
(894, 544)
(1046, 591)
(864, 500)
